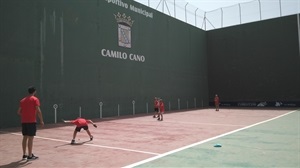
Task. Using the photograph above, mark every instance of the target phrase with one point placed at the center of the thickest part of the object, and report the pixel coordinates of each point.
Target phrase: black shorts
(79, 128)
(156, 109)
(29, 129)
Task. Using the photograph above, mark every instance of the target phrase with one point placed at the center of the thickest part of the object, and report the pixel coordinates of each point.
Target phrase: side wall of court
(98, 58)
(255, 62)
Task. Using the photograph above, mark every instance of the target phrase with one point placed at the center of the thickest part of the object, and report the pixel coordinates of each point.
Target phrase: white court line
(191, 123)
(194, 123)
(100, 146)
(201, 142)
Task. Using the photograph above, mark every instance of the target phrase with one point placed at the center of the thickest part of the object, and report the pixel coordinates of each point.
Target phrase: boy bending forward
(81, 123)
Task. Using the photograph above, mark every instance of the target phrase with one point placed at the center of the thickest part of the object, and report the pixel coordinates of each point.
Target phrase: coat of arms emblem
(124, 30)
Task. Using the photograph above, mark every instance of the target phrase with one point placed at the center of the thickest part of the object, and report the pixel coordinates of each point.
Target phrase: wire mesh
(252, 11)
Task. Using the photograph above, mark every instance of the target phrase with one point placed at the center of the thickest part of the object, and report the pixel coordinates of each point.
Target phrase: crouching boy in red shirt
(81, 123)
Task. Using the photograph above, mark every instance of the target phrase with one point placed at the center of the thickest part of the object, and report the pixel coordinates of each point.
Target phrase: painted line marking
(193, 123)
(201, 142)
(99, 146)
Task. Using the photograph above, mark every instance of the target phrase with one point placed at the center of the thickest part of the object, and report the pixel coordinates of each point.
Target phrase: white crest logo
(124, 30)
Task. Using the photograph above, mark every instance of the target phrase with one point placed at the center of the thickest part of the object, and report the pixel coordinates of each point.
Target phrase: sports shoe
(91, 138)
(73, 141)
(32, 157)
(24, 157)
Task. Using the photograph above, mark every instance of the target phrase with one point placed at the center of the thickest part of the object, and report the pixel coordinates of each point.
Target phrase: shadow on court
(69, 144)
(20, 163)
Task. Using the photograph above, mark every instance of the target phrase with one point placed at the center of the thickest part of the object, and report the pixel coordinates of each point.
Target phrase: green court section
(271, 144)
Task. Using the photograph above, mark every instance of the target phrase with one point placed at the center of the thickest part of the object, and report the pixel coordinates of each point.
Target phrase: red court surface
(123, 141)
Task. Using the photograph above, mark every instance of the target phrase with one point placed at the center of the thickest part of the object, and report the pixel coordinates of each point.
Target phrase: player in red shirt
(161, 110)
(81, 123)
(217, 102)
(156, 103)
(28, 109)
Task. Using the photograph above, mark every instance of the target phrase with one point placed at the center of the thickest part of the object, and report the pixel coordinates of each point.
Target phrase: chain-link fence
(227, 16)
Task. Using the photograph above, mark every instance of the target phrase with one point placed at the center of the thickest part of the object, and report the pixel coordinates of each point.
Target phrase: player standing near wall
(155, 107)
(28, 109)
(161, 110)
(217, 102)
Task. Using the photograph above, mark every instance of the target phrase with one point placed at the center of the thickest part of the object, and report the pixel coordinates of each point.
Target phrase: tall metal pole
(280, 8)
(163, 5)
(196, 17)
(205, 21)
(259, 9)
(174, 9)
(240, 13)
(221, 17)
(185, 12)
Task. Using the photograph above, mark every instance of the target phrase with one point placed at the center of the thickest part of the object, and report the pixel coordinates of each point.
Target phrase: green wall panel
(62, 44)
(256, 61)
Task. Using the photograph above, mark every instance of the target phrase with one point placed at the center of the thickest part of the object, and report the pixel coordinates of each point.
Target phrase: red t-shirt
(79, 122)
(156, 103)
(28, 109)
(162, 107)
(217, 100)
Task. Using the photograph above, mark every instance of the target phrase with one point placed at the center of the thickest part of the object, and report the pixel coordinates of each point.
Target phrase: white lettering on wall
(122, 55)
(131, 7)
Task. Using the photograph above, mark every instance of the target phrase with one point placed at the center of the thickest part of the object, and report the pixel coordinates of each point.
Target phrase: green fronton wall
(257, 61)
(66, 48)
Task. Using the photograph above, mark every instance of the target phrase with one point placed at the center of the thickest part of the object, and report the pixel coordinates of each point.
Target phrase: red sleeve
(73, 121)
(37, 102)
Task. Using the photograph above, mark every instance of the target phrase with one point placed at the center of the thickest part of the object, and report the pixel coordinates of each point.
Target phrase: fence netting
(241, 13)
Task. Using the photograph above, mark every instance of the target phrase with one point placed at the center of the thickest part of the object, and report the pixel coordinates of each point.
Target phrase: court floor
(248, 138)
